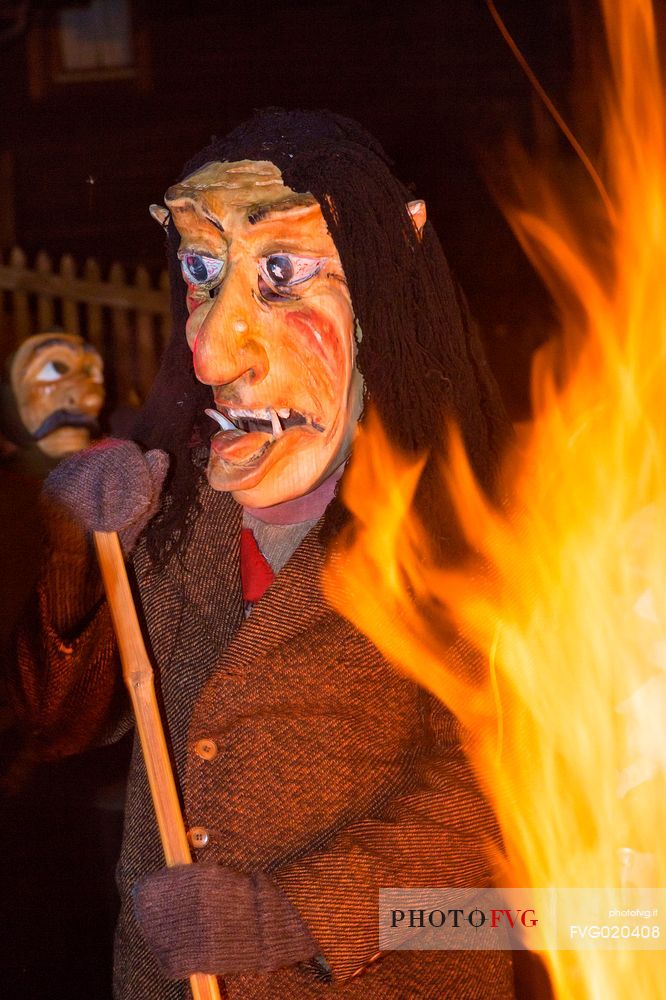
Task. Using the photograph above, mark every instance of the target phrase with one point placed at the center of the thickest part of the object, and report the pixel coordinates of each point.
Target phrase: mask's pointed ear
(417, 210)
(160, 214)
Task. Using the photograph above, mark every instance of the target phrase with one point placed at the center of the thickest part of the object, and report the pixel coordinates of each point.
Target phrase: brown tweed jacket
(333, 773)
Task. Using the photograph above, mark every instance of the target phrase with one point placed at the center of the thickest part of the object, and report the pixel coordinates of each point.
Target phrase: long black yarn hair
(420, 359)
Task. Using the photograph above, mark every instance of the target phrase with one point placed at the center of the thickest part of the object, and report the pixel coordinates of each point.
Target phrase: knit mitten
(204, 918)
(112, 486)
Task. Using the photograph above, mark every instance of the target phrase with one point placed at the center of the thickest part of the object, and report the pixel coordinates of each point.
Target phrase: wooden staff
(138, 676)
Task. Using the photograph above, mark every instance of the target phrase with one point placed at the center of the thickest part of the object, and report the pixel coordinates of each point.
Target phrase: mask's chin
(277, 473)
(264, 496)
(262, 470)
(258, 466)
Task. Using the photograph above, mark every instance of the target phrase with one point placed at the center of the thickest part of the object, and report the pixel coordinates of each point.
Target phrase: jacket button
(197, 836)
(206, 749)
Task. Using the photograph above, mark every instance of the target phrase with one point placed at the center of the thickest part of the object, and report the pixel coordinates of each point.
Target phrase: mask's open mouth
(249, 442)
(264, 421)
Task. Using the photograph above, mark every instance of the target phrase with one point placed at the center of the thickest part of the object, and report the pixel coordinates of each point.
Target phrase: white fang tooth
(249, 414)
(284, 412)
(275, 422)
(225, 424)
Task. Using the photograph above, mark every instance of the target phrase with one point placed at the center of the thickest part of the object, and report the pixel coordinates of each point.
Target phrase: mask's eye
(199, 270)
(284, 270)
(52, 371)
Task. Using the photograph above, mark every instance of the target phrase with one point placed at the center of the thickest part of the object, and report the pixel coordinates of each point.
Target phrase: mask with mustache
(57, 381)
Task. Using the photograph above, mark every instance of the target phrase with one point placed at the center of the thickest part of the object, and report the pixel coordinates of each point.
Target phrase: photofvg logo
(627, 919)
(457, 919)
(499, 919)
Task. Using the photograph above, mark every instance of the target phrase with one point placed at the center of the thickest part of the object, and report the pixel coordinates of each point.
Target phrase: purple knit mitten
(204, 918)
(111, 486)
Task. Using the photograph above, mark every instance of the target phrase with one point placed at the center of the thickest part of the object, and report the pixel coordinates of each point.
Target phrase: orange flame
(570, 609)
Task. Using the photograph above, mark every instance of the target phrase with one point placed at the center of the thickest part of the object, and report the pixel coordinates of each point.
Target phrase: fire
(566, 596)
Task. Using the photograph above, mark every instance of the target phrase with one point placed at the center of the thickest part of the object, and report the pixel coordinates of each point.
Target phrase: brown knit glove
(111, 486)
(204, 918)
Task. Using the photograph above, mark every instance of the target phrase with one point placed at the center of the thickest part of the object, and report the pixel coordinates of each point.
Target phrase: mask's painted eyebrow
(261, 212)
(214, 221)
(52, 342)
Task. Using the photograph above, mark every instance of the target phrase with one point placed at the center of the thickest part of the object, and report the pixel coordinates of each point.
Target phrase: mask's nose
(91, 399)
(229, 347)
(82, 394)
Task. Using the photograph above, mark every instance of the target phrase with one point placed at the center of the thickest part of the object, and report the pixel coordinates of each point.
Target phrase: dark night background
(433, 80)
(80, 161)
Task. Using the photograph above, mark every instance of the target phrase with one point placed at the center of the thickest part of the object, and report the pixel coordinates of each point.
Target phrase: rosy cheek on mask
(320, 336)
